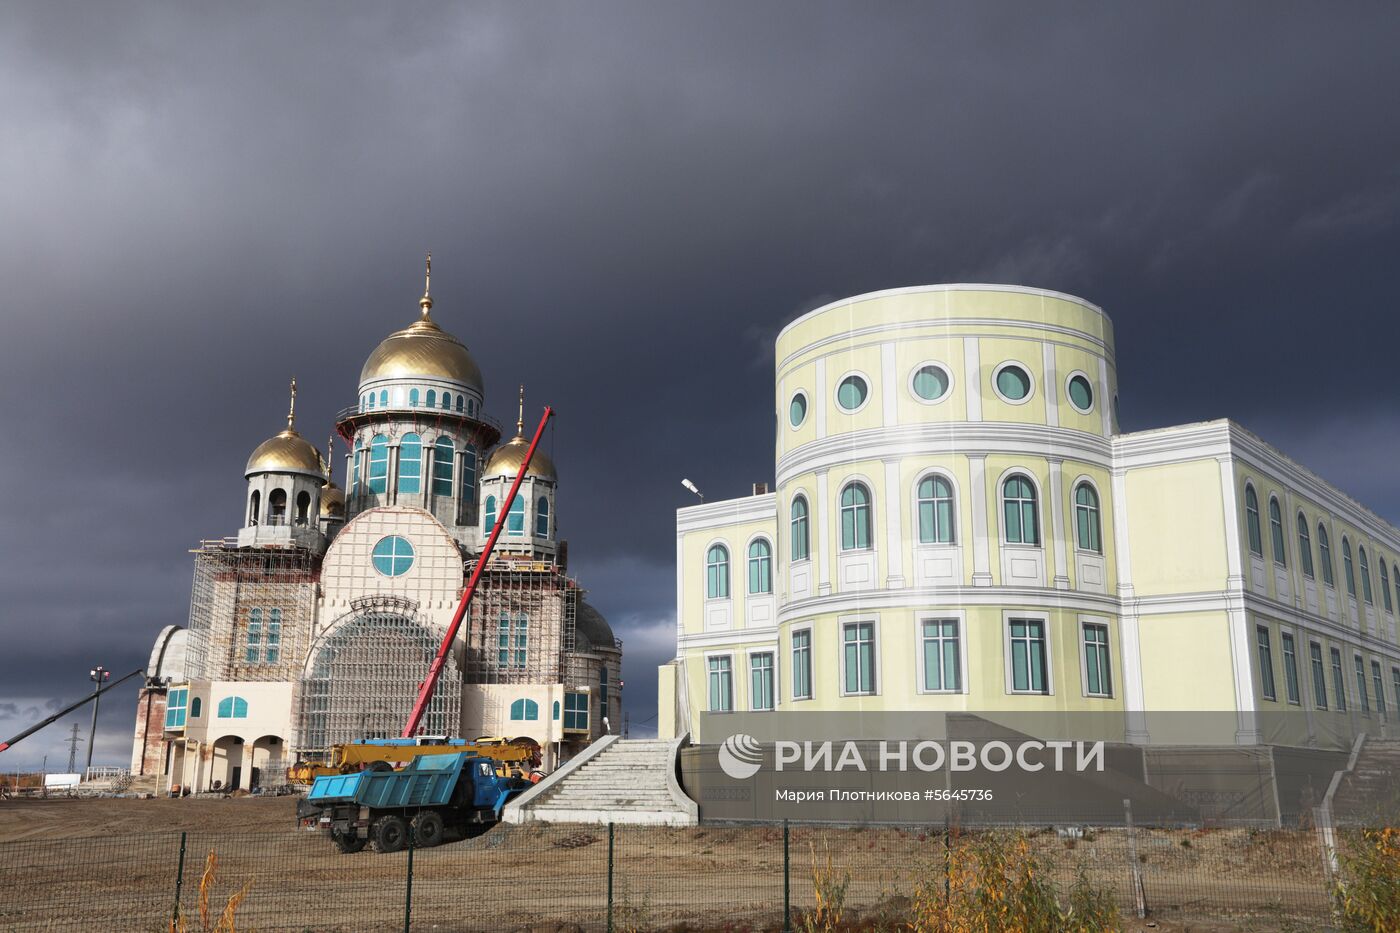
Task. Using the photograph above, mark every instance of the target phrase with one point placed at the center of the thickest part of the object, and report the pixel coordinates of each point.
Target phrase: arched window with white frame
(760, 567)
(935, 503)
(1305, 556)
(856, 530)
(1276, 533)
(799, 529)
(1251, 514)
(1088, 532)
(1020, 511)
(717, 572)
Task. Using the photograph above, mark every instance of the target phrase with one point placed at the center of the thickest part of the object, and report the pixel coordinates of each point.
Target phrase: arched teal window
(196, 707)
(855, 517)
(1324, 554)
(1395, 572)
(253, 504)
(274, 636)
(460, 402)
(556, 710)
(444, 456)
(383, 398)
(1276, 533)
(1346, 566)
(447, 401)
(760, 567)
(1086, 518)
(1022, 522)
(411, 464)
(370, 402)
(355, 471)
(524, 710)
(542, 518)
(1365, 576)
(469, 473)
(233, 708)
(1385, 591)
(800, 539)
(252, 652)
(515, 520)
(935, 495)
(717, 572)
(1251, 514)
(488, 514)
(413, 397)
(1305, 557)
(432, 398)
(379, 464)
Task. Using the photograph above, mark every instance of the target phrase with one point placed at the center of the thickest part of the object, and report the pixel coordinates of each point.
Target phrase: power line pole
(73, 741)
(98, 675)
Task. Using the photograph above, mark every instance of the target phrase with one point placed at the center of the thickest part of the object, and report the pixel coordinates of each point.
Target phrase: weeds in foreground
(830, 893)
(224, 922)
(1368, 897)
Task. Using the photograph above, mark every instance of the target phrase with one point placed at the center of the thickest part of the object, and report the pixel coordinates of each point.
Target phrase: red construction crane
(425, 693)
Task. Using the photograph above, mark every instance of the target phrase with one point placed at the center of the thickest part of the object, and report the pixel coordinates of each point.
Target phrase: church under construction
(316, 624)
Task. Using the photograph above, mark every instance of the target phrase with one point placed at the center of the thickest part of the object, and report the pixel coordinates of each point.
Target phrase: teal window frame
(413, 398)
(858, 659)
(1395, 575)
(512, 641)
(542, 517)
(1363, 693)
(857, 532)
(800, 524)
(1088, 531)
(355, 471)
(1030, 662)
(576, 712)
(234, 707)
(940, 644)
(1264, 645)
(176, 707)
(721, 683)
(1385, 584)
(1251, 514)
(196, 707)
(1305, 557)
(430, 399)
(1098, 661)
(1378, 682)
(1279, 545)
(1017, 372)
(524, 710)
(1081, 382)
(515, 518)
(383, 398)
(928, 377)
(252, 652)
(797, 409)
(852, 393)
(1339, 680)
(488, 514)
(1348, 570)
(935, 501)
(1319, 675)
(802, 664)
(603, 688)
(1395, 685)
(760, 567)
(761, 673)
(1366, 592)
(1290, 670)
(411, 464)
(444, 461)
(392, 556)
(1020, 510)
(379, 464)
(717, 572)
(461, 402)
(468, 473)
(1324, 555)
(273, 641)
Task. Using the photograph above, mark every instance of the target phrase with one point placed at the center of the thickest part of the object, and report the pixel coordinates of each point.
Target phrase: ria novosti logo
(740, 756)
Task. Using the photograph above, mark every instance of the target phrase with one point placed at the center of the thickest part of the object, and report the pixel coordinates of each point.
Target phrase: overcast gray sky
(624, 203)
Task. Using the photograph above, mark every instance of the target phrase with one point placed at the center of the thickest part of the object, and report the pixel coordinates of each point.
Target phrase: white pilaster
(1052, 385)
(981, 531)
(1105, 400)
(894, 527)
(1134, 701)
(1059, 540)
(819, 400)
(823, 543)
(972, 366)
(889, 385)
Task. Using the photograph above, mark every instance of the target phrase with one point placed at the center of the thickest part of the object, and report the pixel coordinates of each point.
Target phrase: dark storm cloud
(626, 202)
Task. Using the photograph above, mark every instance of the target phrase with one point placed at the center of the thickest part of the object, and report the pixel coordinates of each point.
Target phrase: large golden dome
(422, 349)
(508, 457)
(286, 452)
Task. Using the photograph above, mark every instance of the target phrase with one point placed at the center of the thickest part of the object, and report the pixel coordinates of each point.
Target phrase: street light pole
(98, 675)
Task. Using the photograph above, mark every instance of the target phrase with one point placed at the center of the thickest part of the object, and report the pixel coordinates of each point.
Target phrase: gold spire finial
(292, 407)
(330, 452)
(520, 414)
(426, 302)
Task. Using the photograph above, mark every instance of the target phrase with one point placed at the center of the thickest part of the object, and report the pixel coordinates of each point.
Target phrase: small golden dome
(508, 457)
(286, 452)
(332, 501)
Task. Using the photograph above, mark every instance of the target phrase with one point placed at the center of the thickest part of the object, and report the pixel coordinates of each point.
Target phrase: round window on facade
(852, 393)
(1012, 382)
(797, 410)
(931, 382)
(1080, 392)
(392, 556)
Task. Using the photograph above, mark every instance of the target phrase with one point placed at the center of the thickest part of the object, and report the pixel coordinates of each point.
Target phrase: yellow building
(958, 525)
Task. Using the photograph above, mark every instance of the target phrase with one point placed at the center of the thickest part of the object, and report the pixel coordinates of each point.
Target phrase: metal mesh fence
(633, 878)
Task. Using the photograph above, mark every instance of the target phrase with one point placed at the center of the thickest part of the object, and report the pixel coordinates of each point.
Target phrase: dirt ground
(115, 864)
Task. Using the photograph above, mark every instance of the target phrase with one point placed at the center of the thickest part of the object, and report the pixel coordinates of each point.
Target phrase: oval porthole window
(1013, 383)
(797, 410)
(1081, 393)
(392, 556)
(851, 393)
(931, 382)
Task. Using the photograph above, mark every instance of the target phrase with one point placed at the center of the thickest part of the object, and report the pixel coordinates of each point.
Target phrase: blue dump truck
(432, 797)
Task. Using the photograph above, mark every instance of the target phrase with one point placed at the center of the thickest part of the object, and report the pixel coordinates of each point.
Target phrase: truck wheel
(348, 843)
(379, 764)
(389, 834)
(427, 829)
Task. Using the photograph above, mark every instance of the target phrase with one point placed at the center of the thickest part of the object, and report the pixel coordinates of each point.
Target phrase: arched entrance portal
(226, 764)
(362, 677)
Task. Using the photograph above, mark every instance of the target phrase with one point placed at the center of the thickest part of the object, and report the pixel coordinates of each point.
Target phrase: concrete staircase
(612, 781)
(1369, 793)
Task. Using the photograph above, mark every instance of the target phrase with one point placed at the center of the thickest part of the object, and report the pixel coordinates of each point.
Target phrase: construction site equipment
(435, 670)
(518, 758)
(433, 796)
(68, 709)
